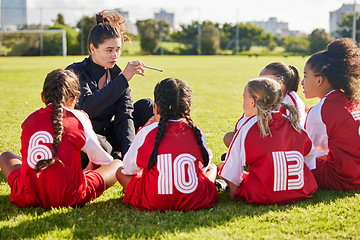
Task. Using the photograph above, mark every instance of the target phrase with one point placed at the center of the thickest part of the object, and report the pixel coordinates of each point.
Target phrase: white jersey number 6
(37, 151)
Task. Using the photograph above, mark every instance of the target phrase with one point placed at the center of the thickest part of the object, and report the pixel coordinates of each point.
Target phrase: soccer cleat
(221, 185)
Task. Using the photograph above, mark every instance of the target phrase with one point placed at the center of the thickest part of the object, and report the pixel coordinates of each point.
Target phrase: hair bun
(342, 48)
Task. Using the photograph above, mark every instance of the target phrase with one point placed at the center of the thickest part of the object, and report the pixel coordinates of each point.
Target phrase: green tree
(188, 34)
(59, 20)
(248, 35)
(318, 39)
(85, 24)
(346, 25)
(53, 42)
(21, 44)
(150, 32)
(210, 39)
(297, 44)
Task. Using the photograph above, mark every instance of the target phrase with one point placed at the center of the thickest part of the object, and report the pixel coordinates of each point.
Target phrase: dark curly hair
(340, 65)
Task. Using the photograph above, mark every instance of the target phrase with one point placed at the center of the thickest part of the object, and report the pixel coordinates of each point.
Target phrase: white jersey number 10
(183, 170)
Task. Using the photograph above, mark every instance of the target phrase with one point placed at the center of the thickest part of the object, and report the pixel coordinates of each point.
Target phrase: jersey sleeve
(240, 122)
(317, 129)
(235, 161)
(92, 145)
(130, 165)
(293, 99)
(310, 159)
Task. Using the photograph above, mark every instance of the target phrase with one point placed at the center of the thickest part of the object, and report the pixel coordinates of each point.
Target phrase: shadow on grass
(2, 178)
(112, 218)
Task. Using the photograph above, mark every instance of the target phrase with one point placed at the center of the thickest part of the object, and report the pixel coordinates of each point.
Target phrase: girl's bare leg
(122, 178)
(211, 173)
(9, 162)
(108, 172)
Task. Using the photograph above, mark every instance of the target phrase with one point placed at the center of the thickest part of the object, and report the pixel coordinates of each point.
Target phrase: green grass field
(217, 83)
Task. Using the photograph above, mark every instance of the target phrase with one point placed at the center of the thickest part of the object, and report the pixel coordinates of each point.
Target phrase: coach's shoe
(221, 185)
(116, 155)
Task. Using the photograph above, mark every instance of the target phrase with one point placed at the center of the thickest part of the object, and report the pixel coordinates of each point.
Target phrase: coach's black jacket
(114, 99)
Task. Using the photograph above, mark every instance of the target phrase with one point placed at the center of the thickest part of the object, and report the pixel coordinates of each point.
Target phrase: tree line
(205, 38)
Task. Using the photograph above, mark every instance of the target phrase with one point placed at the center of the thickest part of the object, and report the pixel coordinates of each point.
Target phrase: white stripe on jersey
(356, 115)
(240, 122)
(317, 129)
(92, 145)
(233, 167)
(130, 166)
(165, 179)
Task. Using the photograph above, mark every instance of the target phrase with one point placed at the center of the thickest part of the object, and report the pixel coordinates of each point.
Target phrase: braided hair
(60, 86)
(267, 94)
(110, 24)
(340, 65)
(173, 96)
(287, 75)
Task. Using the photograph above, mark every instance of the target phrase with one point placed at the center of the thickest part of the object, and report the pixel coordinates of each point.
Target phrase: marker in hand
(155, 69)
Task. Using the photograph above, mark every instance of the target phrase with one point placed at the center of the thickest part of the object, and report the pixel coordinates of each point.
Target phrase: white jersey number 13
(288, 170)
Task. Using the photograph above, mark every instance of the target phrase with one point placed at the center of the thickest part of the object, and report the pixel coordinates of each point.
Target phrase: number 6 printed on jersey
(37, 150)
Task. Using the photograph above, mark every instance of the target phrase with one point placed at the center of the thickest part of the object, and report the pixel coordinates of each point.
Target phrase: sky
(301, 15)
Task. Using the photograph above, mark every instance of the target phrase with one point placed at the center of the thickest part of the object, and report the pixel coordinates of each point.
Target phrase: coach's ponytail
(110, 24)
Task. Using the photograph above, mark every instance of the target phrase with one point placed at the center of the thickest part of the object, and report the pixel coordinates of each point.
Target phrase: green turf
(217, 83)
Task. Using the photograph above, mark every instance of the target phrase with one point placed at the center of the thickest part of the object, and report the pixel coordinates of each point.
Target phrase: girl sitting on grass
(277, 151)
(334, 123)
(49, 172)
(289, 79)
(168, 165)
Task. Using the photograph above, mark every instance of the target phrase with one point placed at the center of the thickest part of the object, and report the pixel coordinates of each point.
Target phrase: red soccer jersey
(177, 181)
(63, 183)
(278, 164)
(334, 126)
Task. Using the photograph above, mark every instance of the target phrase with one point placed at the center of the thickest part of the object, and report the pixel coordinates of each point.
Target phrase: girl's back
(177, 181)
(277, 169)
(62, 183)
(335, 123)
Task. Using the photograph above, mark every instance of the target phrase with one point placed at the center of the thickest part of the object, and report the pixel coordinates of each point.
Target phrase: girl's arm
(228, 137)
(92, 147)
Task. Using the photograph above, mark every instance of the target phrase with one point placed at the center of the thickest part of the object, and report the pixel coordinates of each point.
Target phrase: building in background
(12, 14)
(163, 15)
(337, 16)
(276, 28)
(131, 27)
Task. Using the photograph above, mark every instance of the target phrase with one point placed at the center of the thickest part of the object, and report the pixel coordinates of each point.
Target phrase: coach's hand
(132, 68)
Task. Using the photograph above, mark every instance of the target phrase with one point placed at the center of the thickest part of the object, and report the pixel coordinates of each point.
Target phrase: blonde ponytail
(293, 116)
